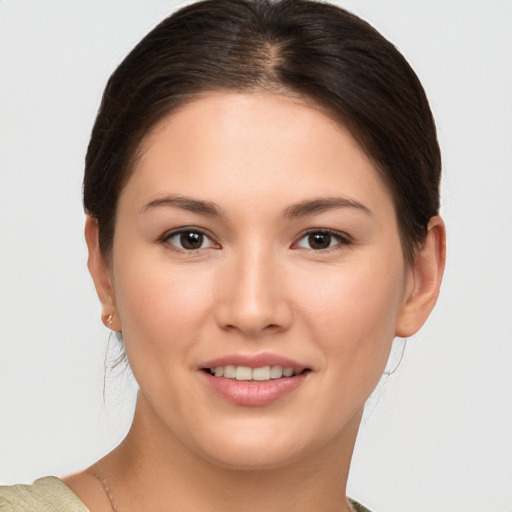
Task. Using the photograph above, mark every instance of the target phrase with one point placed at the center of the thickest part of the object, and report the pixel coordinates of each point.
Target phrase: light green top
(49, 494)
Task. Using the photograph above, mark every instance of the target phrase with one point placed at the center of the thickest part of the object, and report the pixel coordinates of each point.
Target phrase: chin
(258, 447)
(253, 458)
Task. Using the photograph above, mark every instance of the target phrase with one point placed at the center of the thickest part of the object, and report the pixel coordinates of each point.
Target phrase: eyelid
(343, 238)
(165, 238)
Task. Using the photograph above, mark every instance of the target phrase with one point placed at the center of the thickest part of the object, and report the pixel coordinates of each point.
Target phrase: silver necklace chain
(104, 483)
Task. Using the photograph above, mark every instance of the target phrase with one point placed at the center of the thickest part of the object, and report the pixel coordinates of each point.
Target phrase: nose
(252, 295)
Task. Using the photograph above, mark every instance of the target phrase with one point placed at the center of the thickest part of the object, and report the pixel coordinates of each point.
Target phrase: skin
(256, 285)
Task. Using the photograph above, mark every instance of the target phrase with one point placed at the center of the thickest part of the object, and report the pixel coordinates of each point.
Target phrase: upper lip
(254, 361)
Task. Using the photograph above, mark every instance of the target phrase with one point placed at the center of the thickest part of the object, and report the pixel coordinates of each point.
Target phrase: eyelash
(341, 239)
(168, 236)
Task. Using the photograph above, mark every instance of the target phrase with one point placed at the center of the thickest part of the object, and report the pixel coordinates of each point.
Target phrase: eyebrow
(302, 209)
(185, 203)
(316, 206)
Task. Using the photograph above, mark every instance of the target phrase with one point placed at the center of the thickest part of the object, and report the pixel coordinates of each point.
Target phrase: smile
(254, 380)
(246, 373)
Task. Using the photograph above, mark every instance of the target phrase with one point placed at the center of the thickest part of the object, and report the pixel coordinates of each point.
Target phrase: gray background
(438, 433)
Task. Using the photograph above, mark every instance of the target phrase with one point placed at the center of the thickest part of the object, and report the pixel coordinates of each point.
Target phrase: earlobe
(426, 274)
(101, 276)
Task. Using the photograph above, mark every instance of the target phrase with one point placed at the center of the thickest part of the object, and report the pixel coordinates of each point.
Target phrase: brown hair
(309, 48)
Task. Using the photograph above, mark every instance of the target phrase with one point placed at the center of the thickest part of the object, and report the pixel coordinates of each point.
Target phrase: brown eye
(322, 240)
(189, 240)
(319, 240)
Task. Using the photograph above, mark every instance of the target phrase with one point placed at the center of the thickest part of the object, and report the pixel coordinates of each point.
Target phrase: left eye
(189, 240)
(320, 240)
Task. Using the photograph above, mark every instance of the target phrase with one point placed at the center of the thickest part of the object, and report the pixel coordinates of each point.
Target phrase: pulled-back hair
(307, 48)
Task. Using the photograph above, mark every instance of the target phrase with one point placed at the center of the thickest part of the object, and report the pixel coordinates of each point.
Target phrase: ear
(424, 276)
(101, 275)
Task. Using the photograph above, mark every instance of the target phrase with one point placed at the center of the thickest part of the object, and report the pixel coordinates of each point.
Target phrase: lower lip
(254, 393)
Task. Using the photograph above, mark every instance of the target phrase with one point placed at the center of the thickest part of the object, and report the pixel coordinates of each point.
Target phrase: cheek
(353, 314)
(161, 307)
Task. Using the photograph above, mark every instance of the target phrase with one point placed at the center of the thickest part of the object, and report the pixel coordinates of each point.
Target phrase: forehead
(253, 145)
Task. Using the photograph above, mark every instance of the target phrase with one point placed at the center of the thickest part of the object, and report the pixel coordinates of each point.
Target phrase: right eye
(189, 240)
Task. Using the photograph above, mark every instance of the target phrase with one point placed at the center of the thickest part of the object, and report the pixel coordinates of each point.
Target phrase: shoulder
(48, 494)
(358, 507)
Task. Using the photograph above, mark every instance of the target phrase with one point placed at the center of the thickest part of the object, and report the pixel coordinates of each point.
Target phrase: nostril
(252, 308)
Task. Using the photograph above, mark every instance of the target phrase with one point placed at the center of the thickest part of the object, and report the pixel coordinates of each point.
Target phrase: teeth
(229, 371)
(263, 373)
(276, 372)
(243, 373)
(287, 372)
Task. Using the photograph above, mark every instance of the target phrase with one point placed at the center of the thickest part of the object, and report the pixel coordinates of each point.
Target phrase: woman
(261, 190)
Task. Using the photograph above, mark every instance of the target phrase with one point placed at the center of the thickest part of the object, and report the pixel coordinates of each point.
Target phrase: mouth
(254, 379)
(258, 374)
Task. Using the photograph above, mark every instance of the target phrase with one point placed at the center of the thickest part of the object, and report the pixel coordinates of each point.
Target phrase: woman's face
(255, 233)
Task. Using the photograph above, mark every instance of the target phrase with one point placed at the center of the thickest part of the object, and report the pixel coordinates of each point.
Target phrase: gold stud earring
(109, 319)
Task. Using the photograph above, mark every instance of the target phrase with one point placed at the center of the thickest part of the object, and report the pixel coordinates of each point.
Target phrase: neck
(153, 470)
